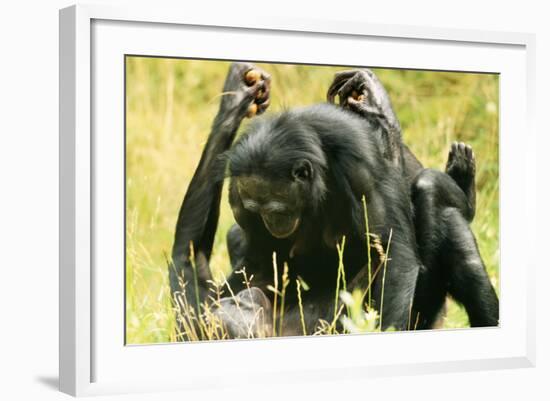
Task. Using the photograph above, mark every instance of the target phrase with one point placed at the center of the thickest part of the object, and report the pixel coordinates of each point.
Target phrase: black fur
(347, 165)
(350, 155)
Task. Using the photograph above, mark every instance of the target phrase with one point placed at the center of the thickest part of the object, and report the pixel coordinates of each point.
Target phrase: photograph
(276, 199)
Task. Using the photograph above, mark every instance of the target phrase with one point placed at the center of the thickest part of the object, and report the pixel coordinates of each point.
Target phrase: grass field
(170, 107)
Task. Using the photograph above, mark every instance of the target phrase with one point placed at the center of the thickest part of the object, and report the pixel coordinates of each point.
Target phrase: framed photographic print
(301, 200)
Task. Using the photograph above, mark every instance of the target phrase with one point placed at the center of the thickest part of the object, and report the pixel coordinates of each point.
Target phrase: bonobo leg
(469, 283)
(245, 94)
(362, 92)
(448, 249)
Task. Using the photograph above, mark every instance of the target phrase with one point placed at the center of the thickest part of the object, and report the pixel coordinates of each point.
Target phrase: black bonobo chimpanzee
(297, 180)
(444, 205)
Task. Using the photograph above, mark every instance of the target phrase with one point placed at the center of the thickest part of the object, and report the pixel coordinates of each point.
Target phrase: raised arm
(245, 93)
(362, 92)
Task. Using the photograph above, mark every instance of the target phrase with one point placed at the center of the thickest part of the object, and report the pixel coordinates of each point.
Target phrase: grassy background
(170, 106)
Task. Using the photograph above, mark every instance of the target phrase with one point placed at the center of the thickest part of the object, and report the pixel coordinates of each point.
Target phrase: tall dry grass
(170, 106)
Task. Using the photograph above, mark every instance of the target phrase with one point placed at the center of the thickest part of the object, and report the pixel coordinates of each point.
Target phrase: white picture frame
(94, 360)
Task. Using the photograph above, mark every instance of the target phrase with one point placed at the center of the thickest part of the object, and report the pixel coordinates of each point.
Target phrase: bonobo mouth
(280, 226)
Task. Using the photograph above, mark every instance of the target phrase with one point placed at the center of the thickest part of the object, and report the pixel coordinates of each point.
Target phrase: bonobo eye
(302, 170)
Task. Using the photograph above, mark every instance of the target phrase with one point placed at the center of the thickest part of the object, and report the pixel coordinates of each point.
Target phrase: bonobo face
(280, 202)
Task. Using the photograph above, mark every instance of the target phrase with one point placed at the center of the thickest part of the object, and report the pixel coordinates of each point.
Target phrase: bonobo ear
(302, 170)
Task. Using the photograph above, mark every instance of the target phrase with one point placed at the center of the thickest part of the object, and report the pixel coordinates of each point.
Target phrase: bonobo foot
(245, 92)
(246, 315)
(461, 166)
(361, 92)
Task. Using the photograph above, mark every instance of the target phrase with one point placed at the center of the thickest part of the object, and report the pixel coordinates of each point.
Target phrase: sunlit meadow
(170, 105)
